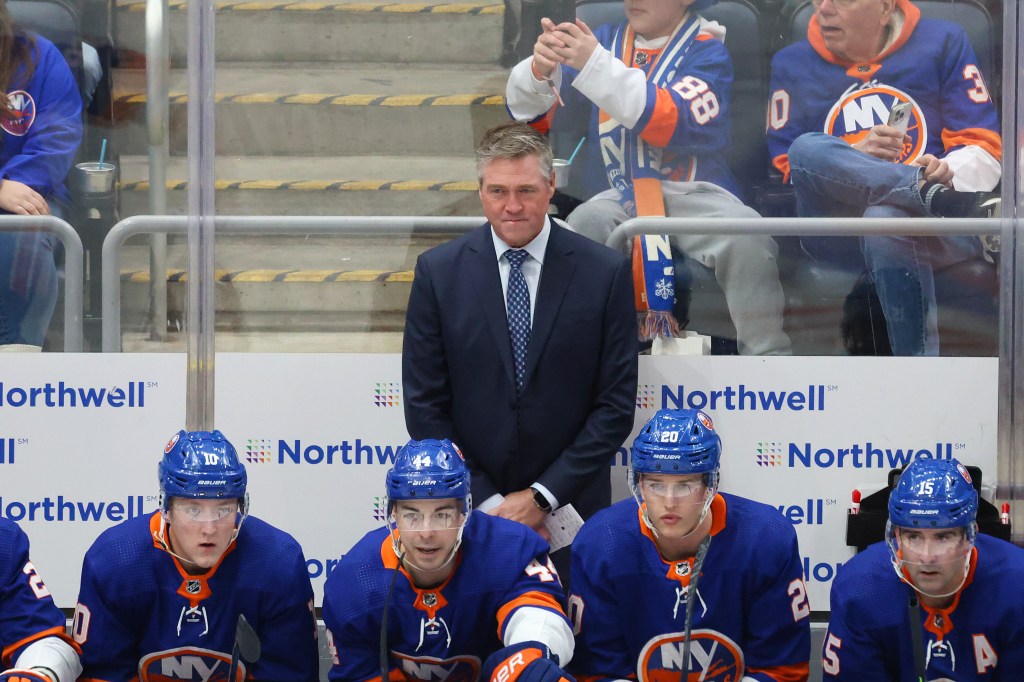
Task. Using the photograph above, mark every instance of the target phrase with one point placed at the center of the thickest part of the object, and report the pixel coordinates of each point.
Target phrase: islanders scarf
(636, 174)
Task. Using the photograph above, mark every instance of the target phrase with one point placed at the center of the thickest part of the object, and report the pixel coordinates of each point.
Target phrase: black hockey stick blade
(247, 641)
(247, 646)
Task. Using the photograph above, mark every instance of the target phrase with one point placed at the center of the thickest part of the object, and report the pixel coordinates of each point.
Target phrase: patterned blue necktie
(518, 302)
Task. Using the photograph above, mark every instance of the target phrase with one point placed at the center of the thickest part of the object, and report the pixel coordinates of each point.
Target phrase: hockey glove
(23, 675)
(524, 662)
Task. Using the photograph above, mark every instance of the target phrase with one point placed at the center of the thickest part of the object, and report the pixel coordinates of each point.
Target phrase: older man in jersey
(829, 133)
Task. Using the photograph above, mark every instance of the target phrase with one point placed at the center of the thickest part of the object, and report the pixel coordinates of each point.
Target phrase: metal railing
(340, 226)
(74, 264)
(405, 225)
(805, 227)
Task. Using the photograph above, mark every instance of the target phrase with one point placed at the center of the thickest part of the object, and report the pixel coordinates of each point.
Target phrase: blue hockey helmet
(429, 469)
(932, 497)
(201, 465)
(934, 493)
(676, 442)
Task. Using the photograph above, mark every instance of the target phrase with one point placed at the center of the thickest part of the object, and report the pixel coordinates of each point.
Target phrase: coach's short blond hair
(512, 140)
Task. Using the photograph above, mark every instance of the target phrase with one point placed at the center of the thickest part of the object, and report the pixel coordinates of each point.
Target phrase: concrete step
(296, 185)
(315, 283)
(464, 33)
(263, 300)
(328, 110)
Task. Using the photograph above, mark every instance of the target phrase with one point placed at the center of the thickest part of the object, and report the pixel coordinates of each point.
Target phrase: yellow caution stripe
(465, 100)
(320, 185)
(351, 7)
(262, 276)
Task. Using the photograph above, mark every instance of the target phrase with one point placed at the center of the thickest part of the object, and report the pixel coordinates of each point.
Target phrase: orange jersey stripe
(57, 631)
(988, 140)
(662, 124)
(795, 672)
(781, 162)
(543, 124)
(538, 599)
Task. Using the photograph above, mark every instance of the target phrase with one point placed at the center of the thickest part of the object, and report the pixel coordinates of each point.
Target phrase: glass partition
(343, 142)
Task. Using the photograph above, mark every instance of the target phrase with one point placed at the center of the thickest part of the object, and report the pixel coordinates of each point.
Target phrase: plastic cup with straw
(97, 176)
(561, 166)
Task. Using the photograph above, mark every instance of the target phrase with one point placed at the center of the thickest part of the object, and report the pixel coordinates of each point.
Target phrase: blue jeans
(833, 179)
(28, 284)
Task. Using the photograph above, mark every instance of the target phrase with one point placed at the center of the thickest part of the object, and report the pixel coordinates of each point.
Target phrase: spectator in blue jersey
(164, 592)
(656, 91)
(35, 648)
(40, 120)
(936, 600)
(684, 582)
(829, 132)
(444, 592)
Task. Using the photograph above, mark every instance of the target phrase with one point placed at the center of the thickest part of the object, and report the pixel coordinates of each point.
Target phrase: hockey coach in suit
(521, 346)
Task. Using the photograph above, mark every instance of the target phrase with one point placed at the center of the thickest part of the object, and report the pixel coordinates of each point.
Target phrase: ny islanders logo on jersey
(862, 108)
(430, 669)
(713, 658)
(188, 663)
(23, 113)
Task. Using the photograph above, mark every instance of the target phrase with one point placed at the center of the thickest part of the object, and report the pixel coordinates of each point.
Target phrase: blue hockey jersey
(931, 65)
(688, 118)
(141, 616)
(442, 633)
(40, 142)
(27, 611)
(629, 604)
(979, 637)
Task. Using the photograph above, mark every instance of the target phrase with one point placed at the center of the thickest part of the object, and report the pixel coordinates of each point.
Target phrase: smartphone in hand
(562, 11)
(899, 117)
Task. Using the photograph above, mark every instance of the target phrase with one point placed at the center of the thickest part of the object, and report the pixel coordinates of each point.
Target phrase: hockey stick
(691, 592)
(384, 654)
(247, 646)
(916, 645)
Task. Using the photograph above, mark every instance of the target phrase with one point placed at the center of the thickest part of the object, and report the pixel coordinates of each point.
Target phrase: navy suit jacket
(579, 392)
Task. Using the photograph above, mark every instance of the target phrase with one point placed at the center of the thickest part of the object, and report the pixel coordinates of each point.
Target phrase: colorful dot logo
(387, 394)
(257, 451)
(769, 454)
(645, 396)
(380, 511)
